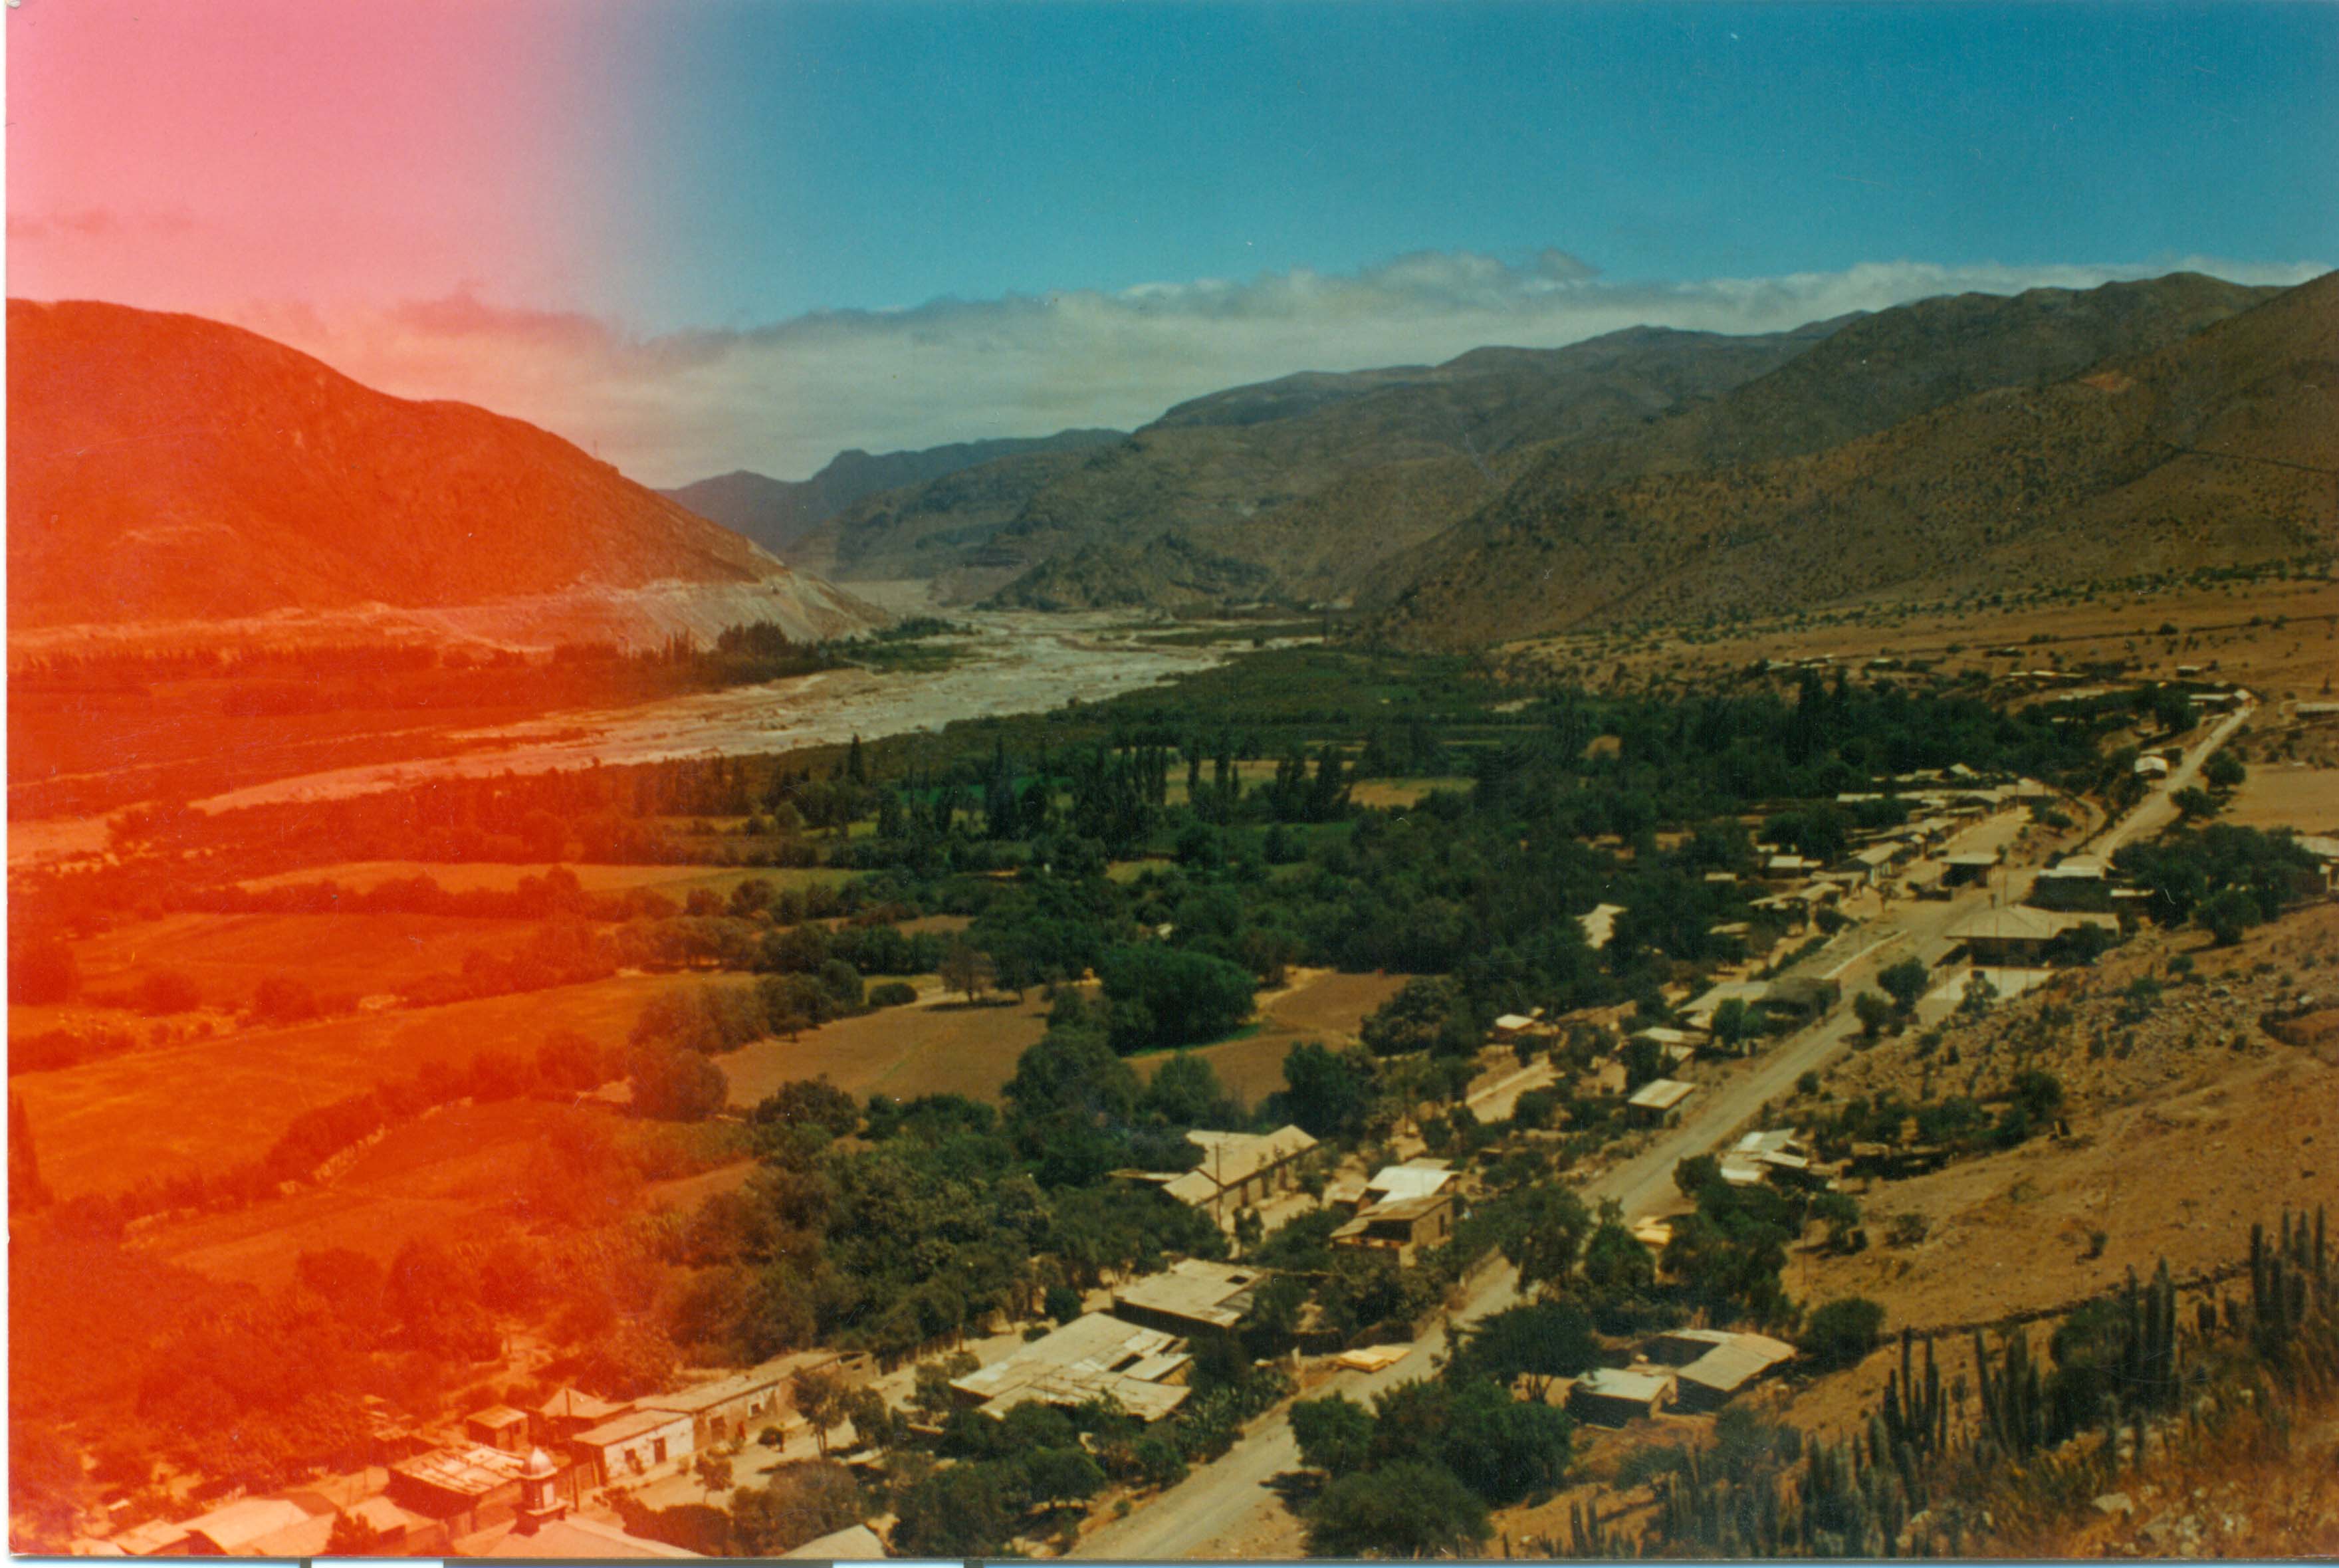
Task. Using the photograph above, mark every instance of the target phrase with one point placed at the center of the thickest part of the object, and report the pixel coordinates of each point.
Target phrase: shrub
(893, 993)
(1843, 1331)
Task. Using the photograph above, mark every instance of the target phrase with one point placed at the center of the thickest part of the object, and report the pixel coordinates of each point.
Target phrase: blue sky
(792, 157)
(705, 235)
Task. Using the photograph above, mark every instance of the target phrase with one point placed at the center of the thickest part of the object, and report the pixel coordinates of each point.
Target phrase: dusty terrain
(2280, 638)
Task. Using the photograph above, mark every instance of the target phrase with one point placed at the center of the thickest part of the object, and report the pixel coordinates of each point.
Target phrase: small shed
(1657, 1100)
(499, 1427)
(1616, 1396)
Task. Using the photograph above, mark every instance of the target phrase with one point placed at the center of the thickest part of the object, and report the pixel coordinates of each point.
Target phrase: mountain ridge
(167, 469)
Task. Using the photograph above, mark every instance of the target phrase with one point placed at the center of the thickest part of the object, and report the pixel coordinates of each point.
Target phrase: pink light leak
(238, 158)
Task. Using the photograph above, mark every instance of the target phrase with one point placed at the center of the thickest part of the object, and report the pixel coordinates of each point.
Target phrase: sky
(694, 235)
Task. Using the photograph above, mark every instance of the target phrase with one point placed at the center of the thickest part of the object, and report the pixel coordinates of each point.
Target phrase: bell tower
(540, 1500)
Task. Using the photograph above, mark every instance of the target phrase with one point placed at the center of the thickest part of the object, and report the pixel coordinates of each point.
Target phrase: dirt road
(1215, 1507)
(2158, 809)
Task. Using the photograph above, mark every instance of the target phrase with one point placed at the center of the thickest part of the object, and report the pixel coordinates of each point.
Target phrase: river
(1009, 662)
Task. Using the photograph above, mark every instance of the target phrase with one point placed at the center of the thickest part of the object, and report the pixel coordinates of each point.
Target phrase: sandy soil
(2213, 630)
(2275, 795)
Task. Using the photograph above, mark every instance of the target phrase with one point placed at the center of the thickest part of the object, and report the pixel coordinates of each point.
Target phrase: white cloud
(782, 399)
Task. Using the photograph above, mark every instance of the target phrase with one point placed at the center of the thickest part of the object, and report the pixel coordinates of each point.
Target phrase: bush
(166, 990)
(893, 993)
(1403, 1510)
(1839, 1332)
(41, 971)
(281, 998)
(677, 1085)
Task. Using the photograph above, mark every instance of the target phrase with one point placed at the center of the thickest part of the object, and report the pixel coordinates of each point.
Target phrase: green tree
(1335, 1433)
(1326, 1093)
(712, 1473)
(820, 1399)
(2193, 802)
(965, 970)
(1543, 1229)
(1537, 1340)
(1905, 983)
(957, 1511)
(1734, 1023)
(1405, 1510)
(2227, 913)
(1186, 1092)
(1874, 1013)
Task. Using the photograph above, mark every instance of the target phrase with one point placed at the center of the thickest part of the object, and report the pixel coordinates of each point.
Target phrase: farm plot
(935, 1047)
(676, 881)
(214, 1105)
(227, 956)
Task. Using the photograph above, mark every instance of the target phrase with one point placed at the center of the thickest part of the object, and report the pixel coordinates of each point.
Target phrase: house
(854, 1543)
(2075, 881)
(1760, 1157)
(737, 1407)
(1800, 996)
(499, 1427)
(1676, 1045)
(2326, 852)
(1615, 1395)
(394, 1529)
(235, 1529)
(1191, 1295)
(1698, 1014)
(155, 1538)
(1513, 1027)
(573, 1540)
(569, 1412)
(1091, 1357)
(1240, 1170)
(635, 1444)
(2151, 767)
(1419, 1176)
(1968, 866)
(464, 1489)
(1656, 1101)
(2017, 937)
(1403, 1226)
(1712, 1366)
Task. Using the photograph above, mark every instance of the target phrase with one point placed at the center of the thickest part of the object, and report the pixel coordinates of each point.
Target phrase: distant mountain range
(1429, 493)
(165, 469)
(2142, 428)
(777, 513)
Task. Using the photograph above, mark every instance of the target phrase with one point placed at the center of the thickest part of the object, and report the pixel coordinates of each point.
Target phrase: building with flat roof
(1191, 1295)
(1659, 1098)
(1712, 1366)
(1404, 1226)
(499, 1427)
(570, 1411)
(1091, 1357)
(1615, 1395)
(466, 1488)
(2017, 937)
(1418, 1178)
(738, 1405)
(635, 1444)
(236, 1529)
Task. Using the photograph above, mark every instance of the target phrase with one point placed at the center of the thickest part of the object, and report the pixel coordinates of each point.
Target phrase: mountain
(1257, 473)
(1167, 572)
(166, 469)
(777, 513)
(2213, 447)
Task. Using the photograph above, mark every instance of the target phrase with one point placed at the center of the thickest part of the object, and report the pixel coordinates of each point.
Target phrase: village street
(1223, 1501)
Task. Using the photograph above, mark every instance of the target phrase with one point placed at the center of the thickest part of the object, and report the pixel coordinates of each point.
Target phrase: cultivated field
(1318, 1004)
(227, 956)
(676, 881)
(443, 1175)
(940, 1047)
(216, 1104)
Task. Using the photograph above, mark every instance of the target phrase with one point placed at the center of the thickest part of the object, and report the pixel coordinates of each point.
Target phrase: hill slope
(165, 469)
(2090, 477)
(777, 513)
(1243, 469)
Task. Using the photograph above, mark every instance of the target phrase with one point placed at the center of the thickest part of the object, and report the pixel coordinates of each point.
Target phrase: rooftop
(1626, 1383)
(472, 1470)
(576, 1404)
(1088, 1357)
(1414, 1179)
(1215, 1293)
(2021, 922)
(235, 1525)
(631, 1425)
(498, 1416)
(577, 1539)
(1661, 1094)
(722, 1391)
(1228, 1157)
